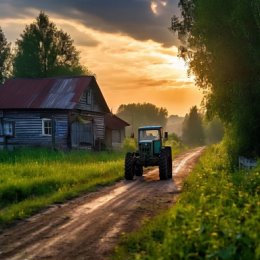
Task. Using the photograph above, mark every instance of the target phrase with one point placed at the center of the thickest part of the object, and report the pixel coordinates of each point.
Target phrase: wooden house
(65, 112)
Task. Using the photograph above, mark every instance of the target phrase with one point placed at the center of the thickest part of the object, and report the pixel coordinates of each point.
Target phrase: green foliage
(33, 178)
(192, 131)
(142, 114)
(217, 217)
(175, 143)
(5, 57)
(214, 131)
(221, 44)
(45, 51)
(129, 145)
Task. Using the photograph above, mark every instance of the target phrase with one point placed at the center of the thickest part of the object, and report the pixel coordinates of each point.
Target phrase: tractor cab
(150, 140)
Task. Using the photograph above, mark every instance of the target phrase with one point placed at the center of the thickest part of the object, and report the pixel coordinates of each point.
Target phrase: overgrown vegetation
(34, 178)
(221, 44)
(176, 144)
(216, 217)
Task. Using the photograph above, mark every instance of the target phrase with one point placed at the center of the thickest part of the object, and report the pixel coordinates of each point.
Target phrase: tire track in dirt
(90, 226)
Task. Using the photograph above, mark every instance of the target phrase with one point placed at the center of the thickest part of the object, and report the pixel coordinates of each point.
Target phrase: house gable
(92, 99)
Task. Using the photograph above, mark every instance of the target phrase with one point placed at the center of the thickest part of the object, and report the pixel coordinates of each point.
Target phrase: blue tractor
(151, 152)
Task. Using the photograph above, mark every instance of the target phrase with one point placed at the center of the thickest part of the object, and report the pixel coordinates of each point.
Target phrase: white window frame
(43, 126)
(89, 97)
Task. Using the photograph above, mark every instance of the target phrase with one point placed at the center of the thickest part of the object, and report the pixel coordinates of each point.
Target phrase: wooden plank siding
(28, 128)
(94, 106)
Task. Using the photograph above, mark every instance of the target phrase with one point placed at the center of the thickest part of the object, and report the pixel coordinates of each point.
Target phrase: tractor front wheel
(169, 152)
(129, 166)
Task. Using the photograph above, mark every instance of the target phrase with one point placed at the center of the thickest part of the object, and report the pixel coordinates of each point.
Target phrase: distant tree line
(220, 41)
(137, 114)
(41, 51)
(196, 130)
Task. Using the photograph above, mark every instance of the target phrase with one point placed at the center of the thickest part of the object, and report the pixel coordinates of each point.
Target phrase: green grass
(31, 179)
(216, 217)
(177, 147)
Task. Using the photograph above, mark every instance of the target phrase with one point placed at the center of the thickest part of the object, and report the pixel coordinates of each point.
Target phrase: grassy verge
(34, 178)
(217, 217)
(177, 147)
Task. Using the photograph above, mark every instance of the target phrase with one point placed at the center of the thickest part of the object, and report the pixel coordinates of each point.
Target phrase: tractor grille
(145, 148)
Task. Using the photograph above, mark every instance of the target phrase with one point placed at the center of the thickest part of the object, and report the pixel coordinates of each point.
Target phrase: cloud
(129, 67)
(133, 17)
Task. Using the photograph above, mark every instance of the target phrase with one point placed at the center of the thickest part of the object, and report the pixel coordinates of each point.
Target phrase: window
(149, 135)
(1, 128)
(7, 128)
(46, 126)
(89, 97)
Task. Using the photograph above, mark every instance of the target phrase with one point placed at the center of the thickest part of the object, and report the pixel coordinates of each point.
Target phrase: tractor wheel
(138, 170)
(129, 166)
(163, 165)
(169, 152)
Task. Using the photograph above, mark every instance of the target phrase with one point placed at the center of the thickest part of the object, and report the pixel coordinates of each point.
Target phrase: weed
(216, 217)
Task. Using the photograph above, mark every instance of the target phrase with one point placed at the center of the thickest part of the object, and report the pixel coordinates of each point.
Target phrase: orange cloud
(128, 70)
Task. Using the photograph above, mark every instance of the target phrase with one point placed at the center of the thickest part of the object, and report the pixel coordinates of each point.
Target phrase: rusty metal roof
(114, 122)
(44, 93)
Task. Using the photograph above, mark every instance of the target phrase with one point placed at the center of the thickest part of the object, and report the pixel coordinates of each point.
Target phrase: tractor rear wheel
(129, 166)
(138, 170)
(163, 165)
(169, 152)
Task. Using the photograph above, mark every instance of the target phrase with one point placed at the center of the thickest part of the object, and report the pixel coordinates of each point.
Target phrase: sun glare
(164, 3)
(154, 7)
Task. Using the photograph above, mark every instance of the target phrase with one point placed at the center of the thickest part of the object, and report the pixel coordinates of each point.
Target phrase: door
(82, 134)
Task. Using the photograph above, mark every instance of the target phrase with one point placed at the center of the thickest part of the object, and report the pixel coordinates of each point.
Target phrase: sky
(126, 43)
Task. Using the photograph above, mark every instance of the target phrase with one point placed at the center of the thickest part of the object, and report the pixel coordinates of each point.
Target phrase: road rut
(90, 226)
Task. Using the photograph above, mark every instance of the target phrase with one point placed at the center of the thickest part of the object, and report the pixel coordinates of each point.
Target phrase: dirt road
(89, 227)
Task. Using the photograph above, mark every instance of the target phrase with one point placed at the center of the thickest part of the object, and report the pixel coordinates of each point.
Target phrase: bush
(129, 145)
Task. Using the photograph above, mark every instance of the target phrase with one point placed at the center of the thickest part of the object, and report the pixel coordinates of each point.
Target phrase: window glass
(46, 127)
(8, 128)
(149, 135)
(1, 128)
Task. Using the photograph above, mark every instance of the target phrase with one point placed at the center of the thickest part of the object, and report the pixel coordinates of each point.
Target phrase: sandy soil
(89, 227)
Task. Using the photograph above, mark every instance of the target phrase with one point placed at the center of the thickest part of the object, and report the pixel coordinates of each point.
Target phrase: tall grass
(216, 217)
(33, 178)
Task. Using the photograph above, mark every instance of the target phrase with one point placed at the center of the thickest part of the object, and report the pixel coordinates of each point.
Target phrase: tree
(44, 51)
(192, 131)
(221, 43)
(214, 131)
(142, 114)
(5, 57)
